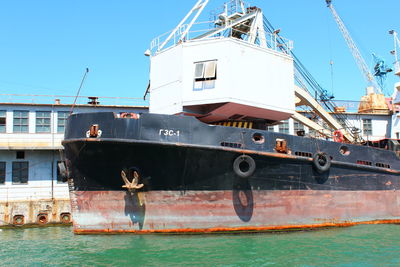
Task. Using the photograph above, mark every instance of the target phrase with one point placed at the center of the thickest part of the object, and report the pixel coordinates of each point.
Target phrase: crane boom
(354, 50)
(395, 51)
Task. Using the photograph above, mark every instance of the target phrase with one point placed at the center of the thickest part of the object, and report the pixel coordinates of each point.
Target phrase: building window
(43, 121)
(20, 155)
(21, 121)
(205, 74)
(284, 126)
(2, 172)
(367, 126)
(2, 121)
(20, 170)
(61, 120)
(271, 128)
(297, 126)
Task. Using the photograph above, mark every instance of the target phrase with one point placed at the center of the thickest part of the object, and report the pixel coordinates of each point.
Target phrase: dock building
(32, 191)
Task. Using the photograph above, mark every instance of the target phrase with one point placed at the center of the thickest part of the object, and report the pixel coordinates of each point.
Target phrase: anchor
(134, 185)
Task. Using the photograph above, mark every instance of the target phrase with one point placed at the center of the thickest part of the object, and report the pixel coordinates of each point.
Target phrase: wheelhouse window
(2, 172)
(284, 126)
(367, 126)
(20, 171)
(3, 121)
(21, 121)
(43, 121)
(61, 121)
(205, 74)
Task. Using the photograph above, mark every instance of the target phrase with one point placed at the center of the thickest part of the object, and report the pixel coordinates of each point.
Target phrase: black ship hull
(194, 177)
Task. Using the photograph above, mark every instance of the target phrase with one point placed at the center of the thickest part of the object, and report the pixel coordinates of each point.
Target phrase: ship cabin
(233, 71)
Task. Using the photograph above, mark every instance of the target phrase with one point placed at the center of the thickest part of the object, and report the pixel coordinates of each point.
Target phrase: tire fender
(321, 162)
(244, 166)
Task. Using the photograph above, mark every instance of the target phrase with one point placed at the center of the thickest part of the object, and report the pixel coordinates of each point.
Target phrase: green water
(367, 245)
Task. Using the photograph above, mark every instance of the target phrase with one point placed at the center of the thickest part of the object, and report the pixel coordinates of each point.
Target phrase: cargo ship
(203, 161)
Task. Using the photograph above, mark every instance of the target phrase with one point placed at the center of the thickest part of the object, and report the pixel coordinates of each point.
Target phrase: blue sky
(45, 45)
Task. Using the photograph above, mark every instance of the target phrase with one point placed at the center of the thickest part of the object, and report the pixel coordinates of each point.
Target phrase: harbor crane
(354, 50)
(395, 52)
(381, 70)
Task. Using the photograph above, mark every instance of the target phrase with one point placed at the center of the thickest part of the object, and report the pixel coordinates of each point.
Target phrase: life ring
(338, 136)
(321, 162)
(244, 166)
(129, 115)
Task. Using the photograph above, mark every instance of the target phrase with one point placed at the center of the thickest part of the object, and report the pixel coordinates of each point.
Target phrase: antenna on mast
(80, 87)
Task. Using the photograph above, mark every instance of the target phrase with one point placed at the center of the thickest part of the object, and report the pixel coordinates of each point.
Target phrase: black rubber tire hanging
(321, 162)
(244, 172)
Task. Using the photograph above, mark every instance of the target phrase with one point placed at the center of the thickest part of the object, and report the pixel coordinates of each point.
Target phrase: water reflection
(242, 197)
(135, 207)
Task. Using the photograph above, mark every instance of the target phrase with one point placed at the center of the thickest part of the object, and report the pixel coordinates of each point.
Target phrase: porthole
(258, 138)
(344, 150)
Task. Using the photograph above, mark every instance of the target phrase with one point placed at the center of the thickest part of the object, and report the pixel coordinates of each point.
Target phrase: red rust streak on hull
(226, 211)
(236, 229)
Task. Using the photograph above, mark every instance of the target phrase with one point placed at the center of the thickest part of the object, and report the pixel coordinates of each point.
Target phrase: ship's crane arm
(196, 10)
(395, 52)
(354, 50)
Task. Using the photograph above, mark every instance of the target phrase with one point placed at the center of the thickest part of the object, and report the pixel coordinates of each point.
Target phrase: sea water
(365, 245)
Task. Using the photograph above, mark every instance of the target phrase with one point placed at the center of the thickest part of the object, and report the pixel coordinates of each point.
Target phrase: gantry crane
(354, 50)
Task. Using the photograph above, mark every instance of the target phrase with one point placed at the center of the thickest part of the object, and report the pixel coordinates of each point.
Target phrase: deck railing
(201, 28)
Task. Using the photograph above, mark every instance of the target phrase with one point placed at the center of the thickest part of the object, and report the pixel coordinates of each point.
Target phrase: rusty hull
(189, 181)
(229, 211)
